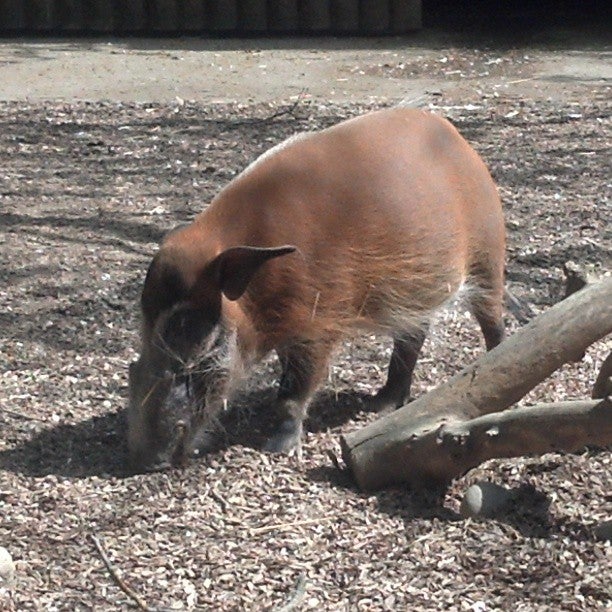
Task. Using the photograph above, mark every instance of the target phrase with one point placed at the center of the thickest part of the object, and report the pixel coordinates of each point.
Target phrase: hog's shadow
(528, 513)
(97, 446)
(252, 419)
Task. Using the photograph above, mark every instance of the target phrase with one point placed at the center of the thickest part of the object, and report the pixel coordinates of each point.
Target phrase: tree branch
(533, 430)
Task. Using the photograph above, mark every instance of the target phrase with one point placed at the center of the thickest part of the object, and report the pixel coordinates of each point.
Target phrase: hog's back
(391, 212)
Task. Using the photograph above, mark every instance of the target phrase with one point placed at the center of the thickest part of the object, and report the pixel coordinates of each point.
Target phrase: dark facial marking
(186, 329)
(164, 286)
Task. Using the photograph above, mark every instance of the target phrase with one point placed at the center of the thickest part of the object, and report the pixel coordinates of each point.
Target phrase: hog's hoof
(383, 403)
(287, 439)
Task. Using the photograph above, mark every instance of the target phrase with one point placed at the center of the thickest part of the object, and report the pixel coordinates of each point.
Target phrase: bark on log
(532, 430)
(390, 450)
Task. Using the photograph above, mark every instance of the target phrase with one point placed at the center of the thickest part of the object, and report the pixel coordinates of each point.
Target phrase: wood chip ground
(86, 192)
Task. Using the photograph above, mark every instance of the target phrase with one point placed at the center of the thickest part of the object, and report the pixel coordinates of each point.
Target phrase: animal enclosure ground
(86, 192)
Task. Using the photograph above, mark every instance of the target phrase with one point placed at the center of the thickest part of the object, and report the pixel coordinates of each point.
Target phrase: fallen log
(397, 448)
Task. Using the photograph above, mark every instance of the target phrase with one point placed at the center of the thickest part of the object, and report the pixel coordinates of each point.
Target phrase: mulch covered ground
(86, 192)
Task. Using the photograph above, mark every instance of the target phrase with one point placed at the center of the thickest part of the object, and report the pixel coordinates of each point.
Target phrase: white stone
(484, 500)
(603, 531)
(7, 567)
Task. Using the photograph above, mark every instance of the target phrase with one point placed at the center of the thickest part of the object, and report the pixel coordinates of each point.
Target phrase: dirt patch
(460, 64)
(555, 64)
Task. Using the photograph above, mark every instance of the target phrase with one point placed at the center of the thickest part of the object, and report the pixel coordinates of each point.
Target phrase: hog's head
(179, 382)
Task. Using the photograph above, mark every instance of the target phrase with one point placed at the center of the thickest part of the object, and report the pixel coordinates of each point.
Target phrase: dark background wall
(250, 17)
(492, 14)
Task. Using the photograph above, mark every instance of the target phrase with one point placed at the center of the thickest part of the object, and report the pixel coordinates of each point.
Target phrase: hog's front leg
(305, 366)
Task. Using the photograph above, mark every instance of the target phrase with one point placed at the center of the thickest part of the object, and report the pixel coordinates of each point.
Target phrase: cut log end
(603, 385)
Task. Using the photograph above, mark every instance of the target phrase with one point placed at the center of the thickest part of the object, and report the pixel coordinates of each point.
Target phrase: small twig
(285, 111)
(314, 307)
(225, 504)
(298, 595)
(288, 110)
(150, 392)
(19, 415)
(576, 278)
(117, 578)
(334, 460)
(294, 524)
(219, 499)
(520, 80)
(519, 309)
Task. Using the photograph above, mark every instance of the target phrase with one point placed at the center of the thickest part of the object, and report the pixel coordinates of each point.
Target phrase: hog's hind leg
(487, 309)
(486, 299)
(396, 391)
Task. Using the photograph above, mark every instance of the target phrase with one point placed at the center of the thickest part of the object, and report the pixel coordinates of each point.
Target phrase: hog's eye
(185, 329)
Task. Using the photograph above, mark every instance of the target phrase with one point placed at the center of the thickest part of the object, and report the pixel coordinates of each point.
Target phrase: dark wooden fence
(211, 17)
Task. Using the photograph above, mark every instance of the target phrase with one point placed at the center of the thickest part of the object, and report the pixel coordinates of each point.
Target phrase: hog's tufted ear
(234, 268)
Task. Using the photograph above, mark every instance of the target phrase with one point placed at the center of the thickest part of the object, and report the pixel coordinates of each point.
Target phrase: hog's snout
(141, 463)
(159, 418)
(175, 454)
(169, 415)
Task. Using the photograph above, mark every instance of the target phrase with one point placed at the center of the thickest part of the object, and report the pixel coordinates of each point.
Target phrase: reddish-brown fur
(390, 212)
